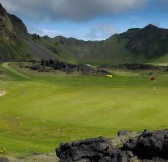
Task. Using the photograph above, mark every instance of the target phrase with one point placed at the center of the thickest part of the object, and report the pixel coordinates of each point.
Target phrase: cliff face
(16, 44)
(10, 25)
(150, 40)
(11, 31)
(18, 25)
(5, 24)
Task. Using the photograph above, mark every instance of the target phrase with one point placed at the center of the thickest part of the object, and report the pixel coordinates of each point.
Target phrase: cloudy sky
(87, 19)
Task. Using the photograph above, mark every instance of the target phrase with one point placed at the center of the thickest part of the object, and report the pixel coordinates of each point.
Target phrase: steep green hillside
(110, 51)
(15, 42)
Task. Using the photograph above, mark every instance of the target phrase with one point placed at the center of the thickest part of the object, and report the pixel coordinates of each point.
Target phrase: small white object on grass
(2, 93)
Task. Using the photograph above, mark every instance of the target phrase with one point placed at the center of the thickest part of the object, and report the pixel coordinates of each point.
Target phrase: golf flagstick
(154, 84)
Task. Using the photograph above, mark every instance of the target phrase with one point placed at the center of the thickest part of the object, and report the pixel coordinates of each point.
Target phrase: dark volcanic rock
(149, 145)
(68, 67)
(135, 66)
(91, 150)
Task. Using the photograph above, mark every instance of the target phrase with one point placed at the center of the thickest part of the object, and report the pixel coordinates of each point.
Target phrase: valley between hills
(55, 90)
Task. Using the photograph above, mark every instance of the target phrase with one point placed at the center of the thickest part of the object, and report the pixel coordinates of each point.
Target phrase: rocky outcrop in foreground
(91, 150)
(128, 147)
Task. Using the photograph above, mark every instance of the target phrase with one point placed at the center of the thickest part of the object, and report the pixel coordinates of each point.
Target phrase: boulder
(149, 145)
(91, 150)
(67, 67)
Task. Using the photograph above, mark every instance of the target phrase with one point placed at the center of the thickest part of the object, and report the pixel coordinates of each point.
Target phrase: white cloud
(44, 31)
(100, 32)
(50, 33)
(73, 10)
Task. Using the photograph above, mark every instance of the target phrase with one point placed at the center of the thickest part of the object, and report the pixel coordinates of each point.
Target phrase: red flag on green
(152, 78)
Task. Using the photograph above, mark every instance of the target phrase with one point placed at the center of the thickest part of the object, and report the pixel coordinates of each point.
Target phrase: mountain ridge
(136, 45)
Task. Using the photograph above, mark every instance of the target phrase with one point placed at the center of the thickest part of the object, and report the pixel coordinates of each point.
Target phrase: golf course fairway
(41, 110)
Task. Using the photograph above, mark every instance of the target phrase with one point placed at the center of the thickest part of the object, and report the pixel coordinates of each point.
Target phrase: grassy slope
(22, 49)
(13, 50)
(13, 72)
(39, 113)
(111, 51)
(60, 52)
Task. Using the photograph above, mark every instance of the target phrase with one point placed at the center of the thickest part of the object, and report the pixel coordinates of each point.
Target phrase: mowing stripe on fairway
(6, 66)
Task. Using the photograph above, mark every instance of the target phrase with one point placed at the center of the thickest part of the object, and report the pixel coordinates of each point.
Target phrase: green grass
(111, 51)
(13, 72)
(39, 113)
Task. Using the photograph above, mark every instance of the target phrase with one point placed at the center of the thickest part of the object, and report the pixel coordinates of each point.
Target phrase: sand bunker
(2, 93)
